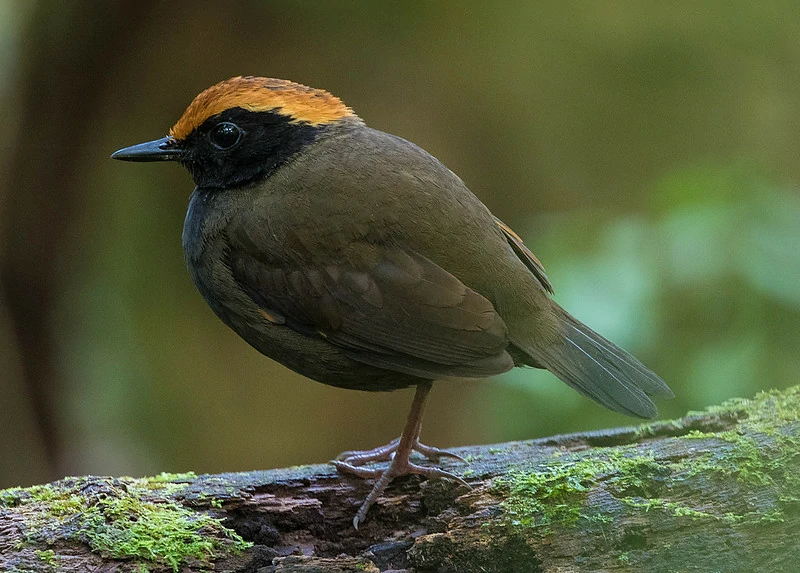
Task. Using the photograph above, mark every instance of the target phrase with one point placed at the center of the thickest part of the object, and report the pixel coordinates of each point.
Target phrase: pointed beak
(164, 149)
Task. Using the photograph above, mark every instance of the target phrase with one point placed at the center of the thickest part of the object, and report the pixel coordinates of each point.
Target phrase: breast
(203, 240)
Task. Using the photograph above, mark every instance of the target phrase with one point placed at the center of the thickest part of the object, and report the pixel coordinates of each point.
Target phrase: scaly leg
(397, 453)
(350, 459)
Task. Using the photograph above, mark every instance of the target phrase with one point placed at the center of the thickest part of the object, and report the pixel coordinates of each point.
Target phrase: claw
(436, 473)
(396, 469)
(351, 462)
(397, 453)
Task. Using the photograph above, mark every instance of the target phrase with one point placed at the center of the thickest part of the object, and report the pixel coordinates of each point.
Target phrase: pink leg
(397, 453)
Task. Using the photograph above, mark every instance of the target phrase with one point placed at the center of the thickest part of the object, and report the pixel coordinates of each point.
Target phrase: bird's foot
(399, 465)
(352, 458)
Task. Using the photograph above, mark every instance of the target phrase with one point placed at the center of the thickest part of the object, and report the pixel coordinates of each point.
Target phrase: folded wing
(382, 306)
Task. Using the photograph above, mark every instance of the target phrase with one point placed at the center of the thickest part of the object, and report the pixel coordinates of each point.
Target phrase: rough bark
(713, 491)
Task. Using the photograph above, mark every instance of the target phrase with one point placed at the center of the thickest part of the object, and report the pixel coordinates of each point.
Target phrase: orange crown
(301, 103)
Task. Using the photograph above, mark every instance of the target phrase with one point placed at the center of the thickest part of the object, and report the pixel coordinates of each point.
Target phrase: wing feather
(383, 306)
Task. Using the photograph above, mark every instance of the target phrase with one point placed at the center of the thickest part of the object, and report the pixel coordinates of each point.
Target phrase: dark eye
(225, 135)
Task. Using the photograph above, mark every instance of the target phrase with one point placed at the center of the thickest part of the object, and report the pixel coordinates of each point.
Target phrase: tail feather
(601, 370)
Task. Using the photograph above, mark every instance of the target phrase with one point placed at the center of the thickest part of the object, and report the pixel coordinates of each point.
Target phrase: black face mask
(237, 147)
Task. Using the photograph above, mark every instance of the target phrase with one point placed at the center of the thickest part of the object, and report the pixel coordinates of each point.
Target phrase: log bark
(713, 491)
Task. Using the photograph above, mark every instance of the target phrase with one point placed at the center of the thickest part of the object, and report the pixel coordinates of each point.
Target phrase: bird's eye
(225, 135)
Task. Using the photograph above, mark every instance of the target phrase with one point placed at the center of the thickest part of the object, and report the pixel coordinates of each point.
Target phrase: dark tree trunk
(67, 48)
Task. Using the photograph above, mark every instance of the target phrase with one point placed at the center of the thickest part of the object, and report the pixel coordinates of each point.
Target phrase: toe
(356, 470)
(434, 473)
(434, 454)
(361, 457)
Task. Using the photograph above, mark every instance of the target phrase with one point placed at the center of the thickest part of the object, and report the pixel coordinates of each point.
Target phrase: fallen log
(713, 491)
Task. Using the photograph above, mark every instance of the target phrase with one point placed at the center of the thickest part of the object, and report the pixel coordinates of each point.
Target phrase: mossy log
(713, 491)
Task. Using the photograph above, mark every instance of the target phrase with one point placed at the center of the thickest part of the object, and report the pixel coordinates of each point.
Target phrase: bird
(357, 259)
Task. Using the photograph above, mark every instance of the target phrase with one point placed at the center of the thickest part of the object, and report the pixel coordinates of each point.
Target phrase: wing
(382, 306)
(525, 255)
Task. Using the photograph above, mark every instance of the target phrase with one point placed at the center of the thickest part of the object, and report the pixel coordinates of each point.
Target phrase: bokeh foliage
(647, 152)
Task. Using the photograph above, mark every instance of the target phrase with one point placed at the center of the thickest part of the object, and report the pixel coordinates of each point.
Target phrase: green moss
(165, 477)
(123, 519)
(48, 556)
(745, 460)
(58, 503)
(557, 495)
(653, 428)
(768, 406)
(542, 498)
(212, 501)
(676, 509)
(163, 533)
(10, 497)
(762, 451)
(628, 470)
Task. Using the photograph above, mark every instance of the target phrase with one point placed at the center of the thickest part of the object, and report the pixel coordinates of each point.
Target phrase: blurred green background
(646, 151)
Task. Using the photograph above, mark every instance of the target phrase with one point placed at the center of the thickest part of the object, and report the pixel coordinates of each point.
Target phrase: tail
(601, 370)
